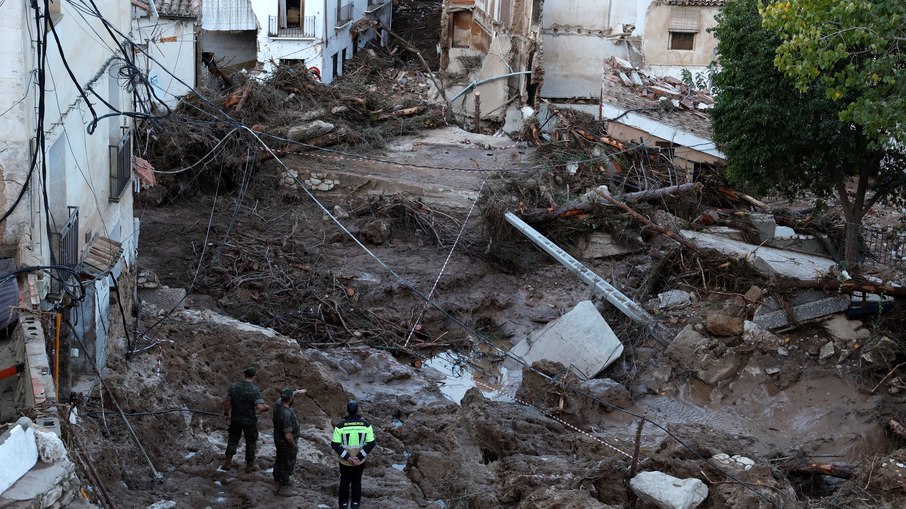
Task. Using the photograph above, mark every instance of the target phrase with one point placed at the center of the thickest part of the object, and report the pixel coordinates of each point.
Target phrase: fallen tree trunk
(590, 202)
(839, 471)
(647, 222)
(852, 286)
(402, 113)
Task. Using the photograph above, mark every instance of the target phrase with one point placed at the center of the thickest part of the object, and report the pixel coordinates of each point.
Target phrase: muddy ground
(458, 425)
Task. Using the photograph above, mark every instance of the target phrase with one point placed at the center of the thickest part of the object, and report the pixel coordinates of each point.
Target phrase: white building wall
(272, 50)
(328, 40)
(172, 43)
(16, 113)
(78, 162)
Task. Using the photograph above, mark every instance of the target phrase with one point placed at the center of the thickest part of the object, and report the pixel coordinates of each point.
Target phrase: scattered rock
(735, 461)
(720, 323)
(163, 504)
(674, 299)
(309, 130)
(656, 379)
(50, 447)
(608, 391)
(754, 294)
(340, 212)
(753, 334)
(687, 347)
(376, 232)
(827, 351)
(668, 492)
(726, 367)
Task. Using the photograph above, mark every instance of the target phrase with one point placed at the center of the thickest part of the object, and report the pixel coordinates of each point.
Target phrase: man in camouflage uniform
(286, 436)
(241, 406)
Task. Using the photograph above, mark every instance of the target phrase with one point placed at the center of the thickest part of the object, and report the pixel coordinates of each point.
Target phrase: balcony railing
(344, 14)
(65, 248)
(120, 165)
(374, 5)
(306, 30)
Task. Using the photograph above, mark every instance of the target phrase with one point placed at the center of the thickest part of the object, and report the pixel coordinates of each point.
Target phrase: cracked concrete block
(803, 312)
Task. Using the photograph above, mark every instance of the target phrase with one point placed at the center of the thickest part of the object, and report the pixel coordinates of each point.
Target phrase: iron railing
(344, 14)
(65, 248)
(120, 165)
(305, 31)
(374, 5)
(887, 247)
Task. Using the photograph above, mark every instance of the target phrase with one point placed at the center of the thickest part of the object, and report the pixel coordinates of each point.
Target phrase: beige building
(677, 36)
(517, 52)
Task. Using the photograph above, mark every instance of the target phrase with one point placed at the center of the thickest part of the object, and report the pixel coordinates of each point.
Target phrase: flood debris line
(626, 305)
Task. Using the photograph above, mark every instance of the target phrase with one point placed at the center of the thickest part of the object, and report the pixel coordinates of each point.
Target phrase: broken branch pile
(371, 102)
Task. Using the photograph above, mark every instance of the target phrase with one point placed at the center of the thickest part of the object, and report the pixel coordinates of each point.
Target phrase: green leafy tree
(783, 139)
(856, 49)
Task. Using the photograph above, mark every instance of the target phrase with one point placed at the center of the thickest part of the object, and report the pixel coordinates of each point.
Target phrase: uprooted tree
(787, 140)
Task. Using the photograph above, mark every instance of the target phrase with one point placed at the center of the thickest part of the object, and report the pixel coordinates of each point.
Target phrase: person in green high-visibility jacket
(353, 440)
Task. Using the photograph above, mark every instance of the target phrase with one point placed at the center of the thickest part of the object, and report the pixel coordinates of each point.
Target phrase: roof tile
(178, 8)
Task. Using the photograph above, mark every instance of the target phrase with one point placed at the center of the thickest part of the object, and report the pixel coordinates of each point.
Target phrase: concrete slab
(803, 312)
(39, 480)
(580, 339)
(164, 299)
(18, 453)
(767, 260)
(600, 245)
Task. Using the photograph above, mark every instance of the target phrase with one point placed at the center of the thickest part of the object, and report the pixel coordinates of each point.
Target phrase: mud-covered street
(754, 414)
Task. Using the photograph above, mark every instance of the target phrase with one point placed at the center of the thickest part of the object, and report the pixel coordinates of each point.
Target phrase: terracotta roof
(666, 100)
(144, 171)
(700, 3)
(100, 257)
(178, 8)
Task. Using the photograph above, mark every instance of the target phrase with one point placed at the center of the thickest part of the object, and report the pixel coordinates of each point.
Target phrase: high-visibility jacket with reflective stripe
(353, 436)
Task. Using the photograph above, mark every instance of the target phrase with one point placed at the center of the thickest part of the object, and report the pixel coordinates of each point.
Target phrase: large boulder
(688, 347)
(309, 130)
(668, 492)
(720, 323)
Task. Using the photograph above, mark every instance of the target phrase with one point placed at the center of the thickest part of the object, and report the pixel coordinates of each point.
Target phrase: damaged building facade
(556, 50)
(68, 235)
(318, 34)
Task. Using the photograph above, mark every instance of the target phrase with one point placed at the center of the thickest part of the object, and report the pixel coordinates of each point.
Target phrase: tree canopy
(856, 49)
(786, 138)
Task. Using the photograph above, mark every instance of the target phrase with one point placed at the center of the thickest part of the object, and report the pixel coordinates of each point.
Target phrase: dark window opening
(682, 41)
(461, 26)
(336, 65)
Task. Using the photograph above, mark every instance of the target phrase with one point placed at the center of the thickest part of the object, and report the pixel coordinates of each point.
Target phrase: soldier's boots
(286, 491)
(344, 506)
(251, 467)
(228, 463)
(355, 505)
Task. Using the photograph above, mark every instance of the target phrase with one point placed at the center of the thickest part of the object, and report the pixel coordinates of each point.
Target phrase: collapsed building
(511, 53)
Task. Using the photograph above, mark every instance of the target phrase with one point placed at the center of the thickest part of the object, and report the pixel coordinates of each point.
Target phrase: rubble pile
(672, 91)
